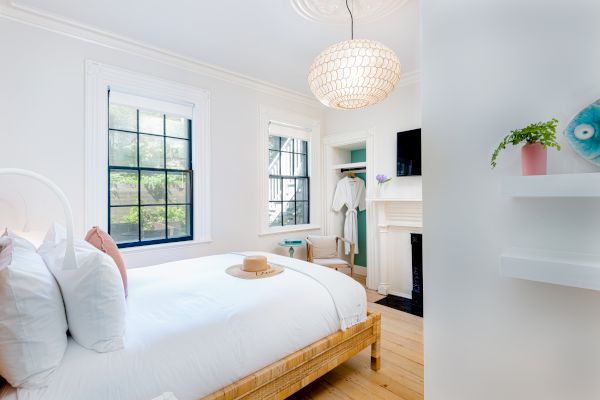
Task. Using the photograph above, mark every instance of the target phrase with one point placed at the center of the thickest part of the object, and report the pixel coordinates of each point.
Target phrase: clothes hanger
(351, 174)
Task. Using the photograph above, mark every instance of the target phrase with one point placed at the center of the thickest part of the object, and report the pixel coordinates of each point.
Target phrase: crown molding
(34, 17)
(9, 9)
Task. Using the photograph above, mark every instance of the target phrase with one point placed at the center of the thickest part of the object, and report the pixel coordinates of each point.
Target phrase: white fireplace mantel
(390, 269)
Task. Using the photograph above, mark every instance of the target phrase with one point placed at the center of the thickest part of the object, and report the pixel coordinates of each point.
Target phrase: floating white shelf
(564, 185)
(567, 269)
(350, 165)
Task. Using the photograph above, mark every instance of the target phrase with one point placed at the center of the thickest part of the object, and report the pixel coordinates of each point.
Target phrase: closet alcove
(348, 155)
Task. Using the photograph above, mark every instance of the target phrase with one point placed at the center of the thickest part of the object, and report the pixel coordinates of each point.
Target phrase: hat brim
(238, 272)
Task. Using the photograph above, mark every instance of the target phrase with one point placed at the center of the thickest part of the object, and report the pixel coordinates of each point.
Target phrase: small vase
(534, 158)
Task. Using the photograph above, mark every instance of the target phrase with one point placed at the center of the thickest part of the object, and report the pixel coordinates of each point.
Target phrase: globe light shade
(354, 74)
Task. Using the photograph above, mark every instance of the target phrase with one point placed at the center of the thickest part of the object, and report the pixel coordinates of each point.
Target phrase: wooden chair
(324, 250)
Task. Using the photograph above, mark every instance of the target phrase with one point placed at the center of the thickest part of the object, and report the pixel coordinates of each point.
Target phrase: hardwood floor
(401, 373)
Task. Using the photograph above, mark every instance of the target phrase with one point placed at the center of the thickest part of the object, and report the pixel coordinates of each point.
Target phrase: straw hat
(254, 267)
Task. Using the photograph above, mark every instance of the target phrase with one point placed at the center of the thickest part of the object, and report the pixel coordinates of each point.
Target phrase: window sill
(163, 246)
(288, 229)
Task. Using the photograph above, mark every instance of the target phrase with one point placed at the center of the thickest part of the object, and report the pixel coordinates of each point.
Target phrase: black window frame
(140, 242)
(295, 178)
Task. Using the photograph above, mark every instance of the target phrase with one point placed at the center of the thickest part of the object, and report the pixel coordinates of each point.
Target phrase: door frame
(329, 182)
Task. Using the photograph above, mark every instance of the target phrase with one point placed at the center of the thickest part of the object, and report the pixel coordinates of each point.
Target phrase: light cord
(351, 21)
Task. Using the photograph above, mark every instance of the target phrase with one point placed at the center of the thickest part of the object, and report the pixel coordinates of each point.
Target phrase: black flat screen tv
(408, 155)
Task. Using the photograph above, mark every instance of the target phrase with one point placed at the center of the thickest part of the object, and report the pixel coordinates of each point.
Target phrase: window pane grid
(118, 167)
(152, 204)
(148, 134)
(155, 217)
(289, 198)
(165, 165)
(139, 209)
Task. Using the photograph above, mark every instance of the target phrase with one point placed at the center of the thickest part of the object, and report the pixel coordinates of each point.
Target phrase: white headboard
(70, 262)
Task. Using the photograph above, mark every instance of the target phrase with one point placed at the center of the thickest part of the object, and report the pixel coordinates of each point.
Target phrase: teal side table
(291, 243)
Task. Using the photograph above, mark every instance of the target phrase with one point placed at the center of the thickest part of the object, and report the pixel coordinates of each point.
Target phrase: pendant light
(355, 73)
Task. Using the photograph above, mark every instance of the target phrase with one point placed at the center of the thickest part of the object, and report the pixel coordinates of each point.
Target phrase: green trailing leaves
(539, 132)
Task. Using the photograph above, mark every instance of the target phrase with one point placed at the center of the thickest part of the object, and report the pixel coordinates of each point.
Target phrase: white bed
(192, 329)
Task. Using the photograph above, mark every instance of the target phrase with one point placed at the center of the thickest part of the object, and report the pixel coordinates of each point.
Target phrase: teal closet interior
(361, 258)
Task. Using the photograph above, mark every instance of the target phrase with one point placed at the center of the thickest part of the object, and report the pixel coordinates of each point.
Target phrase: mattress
(193, 329)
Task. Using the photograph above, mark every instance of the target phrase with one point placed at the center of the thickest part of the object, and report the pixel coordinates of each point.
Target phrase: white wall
(399, 112)
(42, 114)
(491, 66)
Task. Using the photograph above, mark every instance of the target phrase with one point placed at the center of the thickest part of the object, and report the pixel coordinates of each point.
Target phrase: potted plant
(534, 153)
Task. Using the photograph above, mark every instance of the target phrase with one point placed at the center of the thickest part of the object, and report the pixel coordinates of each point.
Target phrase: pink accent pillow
(103, 242)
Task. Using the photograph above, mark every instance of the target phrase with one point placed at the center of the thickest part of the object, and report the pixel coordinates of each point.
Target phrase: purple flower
(381, 179)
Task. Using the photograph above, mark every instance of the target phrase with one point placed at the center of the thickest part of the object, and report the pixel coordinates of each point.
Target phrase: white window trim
(98, 79)
(313, 136)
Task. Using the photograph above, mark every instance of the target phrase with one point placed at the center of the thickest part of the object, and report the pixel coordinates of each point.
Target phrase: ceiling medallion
(355, 73)
(334, 11)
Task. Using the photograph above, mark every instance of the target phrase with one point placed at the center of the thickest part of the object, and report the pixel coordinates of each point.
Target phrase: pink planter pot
(534, 158)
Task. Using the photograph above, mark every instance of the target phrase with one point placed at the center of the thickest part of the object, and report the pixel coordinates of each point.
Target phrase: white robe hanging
(351, 193)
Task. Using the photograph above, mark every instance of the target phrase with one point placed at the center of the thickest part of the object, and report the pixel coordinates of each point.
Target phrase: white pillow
(33, 327)
(93, 293)
(19, 241)
(324, 246)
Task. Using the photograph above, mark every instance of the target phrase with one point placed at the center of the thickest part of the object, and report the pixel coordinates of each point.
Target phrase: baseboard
(360, 270)
(401, 294)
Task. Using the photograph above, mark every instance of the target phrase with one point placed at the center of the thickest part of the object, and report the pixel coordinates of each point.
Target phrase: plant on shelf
(537, 137)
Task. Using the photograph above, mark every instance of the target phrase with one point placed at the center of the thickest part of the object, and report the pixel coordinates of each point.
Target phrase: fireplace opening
(415, 305)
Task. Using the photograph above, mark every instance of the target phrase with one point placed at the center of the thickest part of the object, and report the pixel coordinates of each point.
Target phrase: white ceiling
(263, 39)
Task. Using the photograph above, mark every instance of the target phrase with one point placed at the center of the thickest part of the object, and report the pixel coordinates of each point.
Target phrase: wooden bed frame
(290, 374)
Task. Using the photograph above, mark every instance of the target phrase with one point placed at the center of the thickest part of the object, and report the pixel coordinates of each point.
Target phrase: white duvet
(192, 329)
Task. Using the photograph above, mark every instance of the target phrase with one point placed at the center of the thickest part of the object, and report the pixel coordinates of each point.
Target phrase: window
(289, 180)
(149, 171)
(182, 216)
(289, 185)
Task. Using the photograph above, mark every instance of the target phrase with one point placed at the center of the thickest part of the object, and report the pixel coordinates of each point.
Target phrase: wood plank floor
(401, 373)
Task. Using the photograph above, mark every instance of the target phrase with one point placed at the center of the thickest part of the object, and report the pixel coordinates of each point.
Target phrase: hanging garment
(351, 193)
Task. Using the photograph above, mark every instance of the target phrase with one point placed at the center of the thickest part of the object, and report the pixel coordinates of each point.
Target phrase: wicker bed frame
(290, 374)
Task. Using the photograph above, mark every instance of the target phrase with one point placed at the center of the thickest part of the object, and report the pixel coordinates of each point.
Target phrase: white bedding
(7, 392)
(192, 329)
